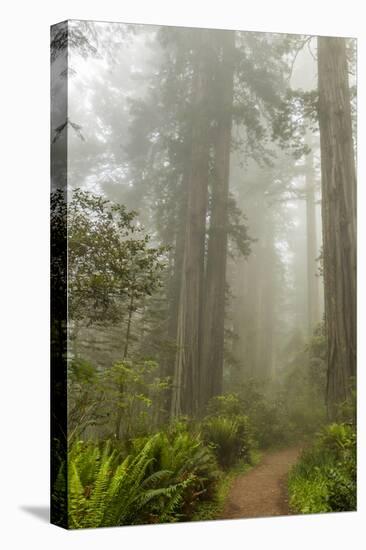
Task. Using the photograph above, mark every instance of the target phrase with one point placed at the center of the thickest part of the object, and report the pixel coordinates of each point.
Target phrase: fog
(116, 95)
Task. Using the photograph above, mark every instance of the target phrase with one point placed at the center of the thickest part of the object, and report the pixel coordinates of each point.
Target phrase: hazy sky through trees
(124, 67)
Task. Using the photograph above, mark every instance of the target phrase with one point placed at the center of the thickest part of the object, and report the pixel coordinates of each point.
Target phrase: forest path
(263, 490)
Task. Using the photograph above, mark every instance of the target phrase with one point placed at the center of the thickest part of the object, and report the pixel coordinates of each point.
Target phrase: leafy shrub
(346, 412)
(325, 478)
(229, 437)
(162, 480)
(291, 406)
(106, 490)
(185, 456)
(338, 438)
(125, 398)
(270, 424)
(304, 386)
(228, 404)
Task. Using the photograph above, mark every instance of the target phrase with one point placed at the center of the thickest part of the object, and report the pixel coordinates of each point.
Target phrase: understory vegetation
(325, 478)
(165, 477)
(170, 471)
(129, 462)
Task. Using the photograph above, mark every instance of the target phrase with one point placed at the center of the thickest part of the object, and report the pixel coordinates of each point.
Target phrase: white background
(24, 353)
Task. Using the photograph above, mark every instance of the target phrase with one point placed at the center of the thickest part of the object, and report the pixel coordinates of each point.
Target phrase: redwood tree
(186, 379)
(311, 244)
(339, 218)
(212, 351)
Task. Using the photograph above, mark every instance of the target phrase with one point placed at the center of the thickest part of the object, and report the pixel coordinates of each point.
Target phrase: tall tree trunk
(185, 394)
(298, 247)
(266, 280)
(238, 312)
(128, 329)
(338, 218)
(121, 388)
(312, 252)
(181, 217)
(252, 317)
(212, 351)
(249, 333)
(176, 279)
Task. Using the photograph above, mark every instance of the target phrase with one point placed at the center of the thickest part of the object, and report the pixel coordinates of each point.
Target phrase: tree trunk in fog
(238, 315)
(185, 391)
(175, 280)
(312, 252)
(247, 346)
(128, 329)
(212, 351)
(178, 253)
(266, 310)
(179, 215)
(339, 218)
(252, 308)
(125, 353)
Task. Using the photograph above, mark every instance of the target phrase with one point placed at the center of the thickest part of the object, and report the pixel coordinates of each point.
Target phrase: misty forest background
(211, 232)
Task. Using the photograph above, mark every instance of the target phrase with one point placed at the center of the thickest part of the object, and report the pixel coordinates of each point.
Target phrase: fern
(77, 500)
(162, 480)
(229, 437)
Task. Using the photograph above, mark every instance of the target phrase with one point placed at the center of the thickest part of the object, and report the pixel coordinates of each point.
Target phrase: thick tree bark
(212, 350)
(338, 218)
(186, 379)
(312, 252)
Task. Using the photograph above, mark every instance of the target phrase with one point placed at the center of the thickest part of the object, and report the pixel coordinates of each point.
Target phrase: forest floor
(263, 490)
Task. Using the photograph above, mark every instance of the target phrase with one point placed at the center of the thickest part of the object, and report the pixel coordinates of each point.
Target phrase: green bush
(107, 490)
(126, 398)
(229, 437)
(228, 404)
(290, 406)
(185, 456)
(163, 479)
(270, 424)
(325, 478)
(339, 439)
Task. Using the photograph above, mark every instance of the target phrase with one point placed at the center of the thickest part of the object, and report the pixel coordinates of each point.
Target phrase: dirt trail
(262, 491)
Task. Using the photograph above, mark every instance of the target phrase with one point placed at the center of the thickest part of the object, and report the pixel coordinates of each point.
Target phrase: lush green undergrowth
(180, 473)
(324, 480)
(163, 479)
(182, 470)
